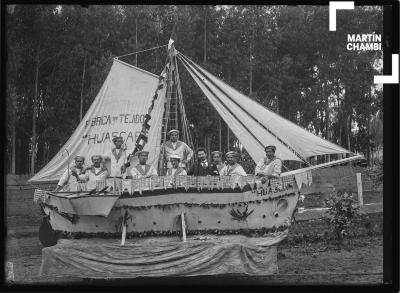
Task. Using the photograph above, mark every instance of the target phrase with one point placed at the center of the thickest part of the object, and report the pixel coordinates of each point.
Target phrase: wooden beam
(298, 171)
(359, 189)
(183, 227)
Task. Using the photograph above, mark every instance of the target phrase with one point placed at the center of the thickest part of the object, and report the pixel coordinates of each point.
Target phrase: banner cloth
(162, 256)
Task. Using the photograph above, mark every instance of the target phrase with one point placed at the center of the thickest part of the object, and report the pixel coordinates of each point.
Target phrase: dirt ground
(307, 256)
(301, 260)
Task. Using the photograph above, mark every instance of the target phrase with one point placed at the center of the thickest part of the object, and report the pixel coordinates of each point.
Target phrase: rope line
(154, 48)
(201, 70)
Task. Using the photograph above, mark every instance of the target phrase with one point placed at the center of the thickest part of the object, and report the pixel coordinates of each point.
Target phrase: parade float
(125, 228)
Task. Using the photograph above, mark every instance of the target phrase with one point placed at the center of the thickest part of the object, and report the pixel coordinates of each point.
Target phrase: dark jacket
(198, 170)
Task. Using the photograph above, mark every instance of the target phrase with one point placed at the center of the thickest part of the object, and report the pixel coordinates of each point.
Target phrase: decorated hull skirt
(162, 256)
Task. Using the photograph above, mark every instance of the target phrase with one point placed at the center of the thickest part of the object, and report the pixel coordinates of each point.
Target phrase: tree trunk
(35, 95)
(208, 148)
(205, 36)
(227, 139)
(219, 134)
(348, 132)
(136, 39)
(251, 69)
(327, 113)
(369, 145)
(13, 148)
(82, 83)
(13, 130)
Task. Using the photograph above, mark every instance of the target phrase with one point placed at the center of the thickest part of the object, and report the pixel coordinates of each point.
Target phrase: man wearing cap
(95, 172)
(202, 167)
(117, 156)
(75, 171)
(232, 167)
(270, 166)
(176, 147)
(217, 160)
(175, 169)
(143, 170)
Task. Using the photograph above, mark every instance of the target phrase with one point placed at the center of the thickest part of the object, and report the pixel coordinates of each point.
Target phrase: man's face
(118, 142)
(231, 159)
(143, 159)
(174, 136)
(79, 162)
(175, 163)
(269, 153)
(201, 156)
(96, 162)
(217, 158)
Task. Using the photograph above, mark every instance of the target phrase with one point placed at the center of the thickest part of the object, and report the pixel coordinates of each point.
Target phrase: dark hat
(270, 147)
(117, 137)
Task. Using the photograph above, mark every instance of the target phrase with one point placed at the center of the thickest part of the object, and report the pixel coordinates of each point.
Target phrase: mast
(174, 114)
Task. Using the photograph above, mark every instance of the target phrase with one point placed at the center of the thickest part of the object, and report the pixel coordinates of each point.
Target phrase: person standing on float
(270, 166)
(71, 175)
(177, 148)
(117, 156)
(143, 170)
(217, 160)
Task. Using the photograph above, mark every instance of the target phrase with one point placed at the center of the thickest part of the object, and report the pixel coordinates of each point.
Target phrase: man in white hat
(232, 167)
(71, 175)
(143, 170)
(270, 166)
(95, 172)
(176, 147)
(117, 156)
(175, 169)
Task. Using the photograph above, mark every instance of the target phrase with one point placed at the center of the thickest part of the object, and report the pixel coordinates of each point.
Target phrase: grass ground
(307, 256)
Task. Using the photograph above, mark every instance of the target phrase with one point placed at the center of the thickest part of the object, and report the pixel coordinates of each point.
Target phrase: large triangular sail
(256, 126)
(118, 110)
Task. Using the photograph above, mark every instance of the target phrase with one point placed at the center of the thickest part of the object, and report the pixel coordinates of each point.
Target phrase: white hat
(142, 152)
(173, 130)
(176, 157)
(232, 153)
(101, 158)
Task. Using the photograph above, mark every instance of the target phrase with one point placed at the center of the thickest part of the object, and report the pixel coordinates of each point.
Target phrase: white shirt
(172, 171)
(177, 148)
(269, 167)
(171, 174)
(116, 164)
(220, 166)
(139, 171)
(67, 176)
(94, 174)
(235, 169)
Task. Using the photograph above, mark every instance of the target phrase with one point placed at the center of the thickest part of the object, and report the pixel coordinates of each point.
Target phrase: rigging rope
(154, 48)
(199, 69)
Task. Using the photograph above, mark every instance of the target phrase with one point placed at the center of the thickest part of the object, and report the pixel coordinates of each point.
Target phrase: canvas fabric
(117, 110)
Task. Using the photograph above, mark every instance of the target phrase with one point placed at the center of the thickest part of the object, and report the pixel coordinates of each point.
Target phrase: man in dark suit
(202, 167)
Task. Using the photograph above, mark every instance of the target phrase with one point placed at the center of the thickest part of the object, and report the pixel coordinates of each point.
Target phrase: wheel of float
(47, 236)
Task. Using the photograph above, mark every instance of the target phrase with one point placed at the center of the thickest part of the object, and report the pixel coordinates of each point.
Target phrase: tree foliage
(284, 57)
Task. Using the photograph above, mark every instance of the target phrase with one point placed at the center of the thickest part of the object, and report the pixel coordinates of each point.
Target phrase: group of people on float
(177, 154)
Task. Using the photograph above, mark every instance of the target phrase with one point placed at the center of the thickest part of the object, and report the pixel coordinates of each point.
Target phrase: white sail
(256, 126)
(118, 110)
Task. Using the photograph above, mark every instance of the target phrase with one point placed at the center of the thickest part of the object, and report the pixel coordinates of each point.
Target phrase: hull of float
(160, 215)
